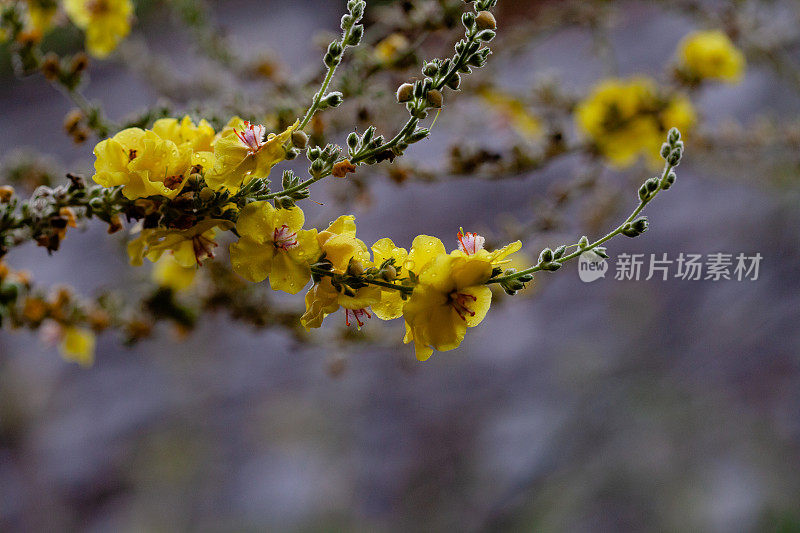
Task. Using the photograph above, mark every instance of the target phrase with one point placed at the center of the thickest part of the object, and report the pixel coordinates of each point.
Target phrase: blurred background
(644, 405)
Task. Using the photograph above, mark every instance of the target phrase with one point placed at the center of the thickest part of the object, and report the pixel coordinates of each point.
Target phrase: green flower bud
(333, 99)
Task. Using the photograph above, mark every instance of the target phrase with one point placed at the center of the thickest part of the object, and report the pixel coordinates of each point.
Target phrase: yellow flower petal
(257, 221)
(424, 249)
(252, 260)
(78, 345)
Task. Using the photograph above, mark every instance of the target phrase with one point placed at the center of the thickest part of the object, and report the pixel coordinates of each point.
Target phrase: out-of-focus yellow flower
(340, 245)
(273, 244)
(390, 48)
(170, 274)
(189, 247)
(143, 162)
(391, 304)
(106, 22)
(450, 296)
(711, 55)
(626, 118)
(242, 153)
(40, 15)
(513, 112)
(78, 345)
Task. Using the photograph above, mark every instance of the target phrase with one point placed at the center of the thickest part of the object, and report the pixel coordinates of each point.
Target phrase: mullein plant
(185, 187)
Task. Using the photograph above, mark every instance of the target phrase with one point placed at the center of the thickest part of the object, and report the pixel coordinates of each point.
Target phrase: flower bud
(405, 92)
(51, 66)
(299, 139)
(333, 99)
(430, 69)
(434, 98)
(355, 268)
(80, 62)
(485, 21)
(72, 120)
(6, 193)
(389, 273)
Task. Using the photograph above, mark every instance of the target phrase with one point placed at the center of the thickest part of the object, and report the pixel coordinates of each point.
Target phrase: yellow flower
(340, 245)
(170, 274)
(186, 135)
(78, 345)
(189, 247)
(450, 296)
(106, 22)
(40, 15)
(143, 162)
(471, 244)
(711, 55)
(513, 112)
(628, 118)
(242, 153)
(273, 244)
(391, 304)
(389, 50)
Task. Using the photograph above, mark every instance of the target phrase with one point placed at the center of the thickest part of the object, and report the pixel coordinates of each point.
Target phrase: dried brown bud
(145, 206)
(80, 135)
(342, 168)
(72, 120)
(485, 21)
(435, 98)
(51, 66)
(80, 62)
(29, 38)
(69, 215)
(6, 193)
(405, 92)
(34, 310)
(98, 319)
(299, 139)
(114, 225)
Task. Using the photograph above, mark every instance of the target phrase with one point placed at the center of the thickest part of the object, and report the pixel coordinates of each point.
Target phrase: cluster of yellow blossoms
(439, 294)
(630, 117)
(105, 22)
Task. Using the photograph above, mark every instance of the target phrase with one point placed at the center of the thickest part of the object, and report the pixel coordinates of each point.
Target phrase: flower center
(284, 238)
(360, 316)
(252, 136)
(460, 302)
(203, 248)
(470, 242)
(173, 182)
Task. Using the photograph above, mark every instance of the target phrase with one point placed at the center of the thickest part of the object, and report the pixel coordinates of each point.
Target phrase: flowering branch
(552, 260)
